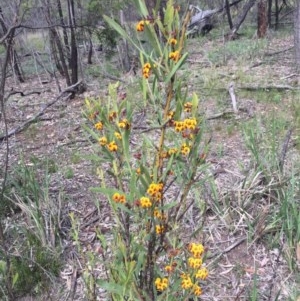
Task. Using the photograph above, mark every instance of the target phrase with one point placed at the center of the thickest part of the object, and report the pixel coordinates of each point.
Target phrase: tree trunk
(74, 51)
(262, 18)
(227, 8)
(277, 14)
(297, 35)
(240, 19)
(13, 56)
(90, 52)
(64, 29)
(270, 3)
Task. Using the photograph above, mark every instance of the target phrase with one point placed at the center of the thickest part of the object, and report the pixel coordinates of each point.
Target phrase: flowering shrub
(147, 184)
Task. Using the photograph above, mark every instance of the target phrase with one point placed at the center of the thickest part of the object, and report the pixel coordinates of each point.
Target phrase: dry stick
(233, 97)
(23, 126)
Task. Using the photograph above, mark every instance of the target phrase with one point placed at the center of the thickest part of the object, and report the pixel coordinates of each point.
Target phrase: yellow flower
(116, 197)
(195, 263)
(170, 114)
(112, 146)
(146, 70)
(161, 283)
(188, 107)
(185, 149)
(141, 25)
(99, 126)
(172, 41)
(157, 213)
(138, 171)
(202, 274)
(169, 268)
(159, 229)
(145, 202)
(119, 198)
(190, 123)
(174, 55)
(124, 124)
(196, 249)
(103, 141)
(112, 115)
(155, 191)
(172, 151)
(118, 135)
(179, 126)
(186, 281)
(197, 290)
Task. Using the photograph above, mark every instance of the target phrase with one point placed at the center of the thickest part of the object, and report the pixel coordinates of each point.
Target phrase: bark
(262, 18)
(90, 52)
(297, 35)
(57, 48)
(65, 34)
(241, 18)
(270, 3)
(227, 8)
(74, 51)
(277, 14)
(13, 56)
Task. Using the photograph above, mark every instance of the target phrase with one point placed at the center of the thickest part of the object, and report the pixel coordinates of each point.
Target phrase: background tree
(297, 34)
(262, 18)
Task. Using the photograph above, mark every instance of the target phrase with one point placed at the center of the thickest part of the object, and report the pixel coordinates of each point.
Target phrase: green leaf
(110, 286)
(141, 6)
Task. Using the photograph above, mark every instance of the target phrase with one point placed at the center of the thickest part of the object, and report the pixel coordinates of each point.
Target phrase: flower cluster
(174, 55)
(194, 263)
(155, 191)
(99, 126)
(112, 146)
(185, 149)
(161, 284)
(188, 107)
(119, 198)
(186, 281)
(124, 124)
(159, 229)
(141, 25)
(103, 141)
(146, 70)
(196, 249)
(145, 202)
(172, 41)
(186, 124)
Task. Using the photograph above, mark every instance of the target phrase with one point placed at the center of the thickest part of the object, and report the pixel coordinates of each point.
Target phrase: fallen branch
(278, 52)
(70, 90)
(274, 87)
(233, 97)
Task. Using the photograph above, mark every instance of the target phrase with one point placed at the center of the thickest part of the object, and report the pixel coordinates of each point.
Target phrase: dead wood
(69, 90)
(233, 97)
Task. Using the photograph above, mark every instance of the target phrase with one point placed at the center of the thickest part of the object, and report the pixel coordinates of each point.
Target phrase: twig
(278, 52)
(24, 125)
(227, 250)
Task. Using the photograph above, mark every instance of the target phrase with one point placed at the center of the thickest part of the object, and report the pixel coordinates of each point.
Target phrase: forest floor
(250, 256)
